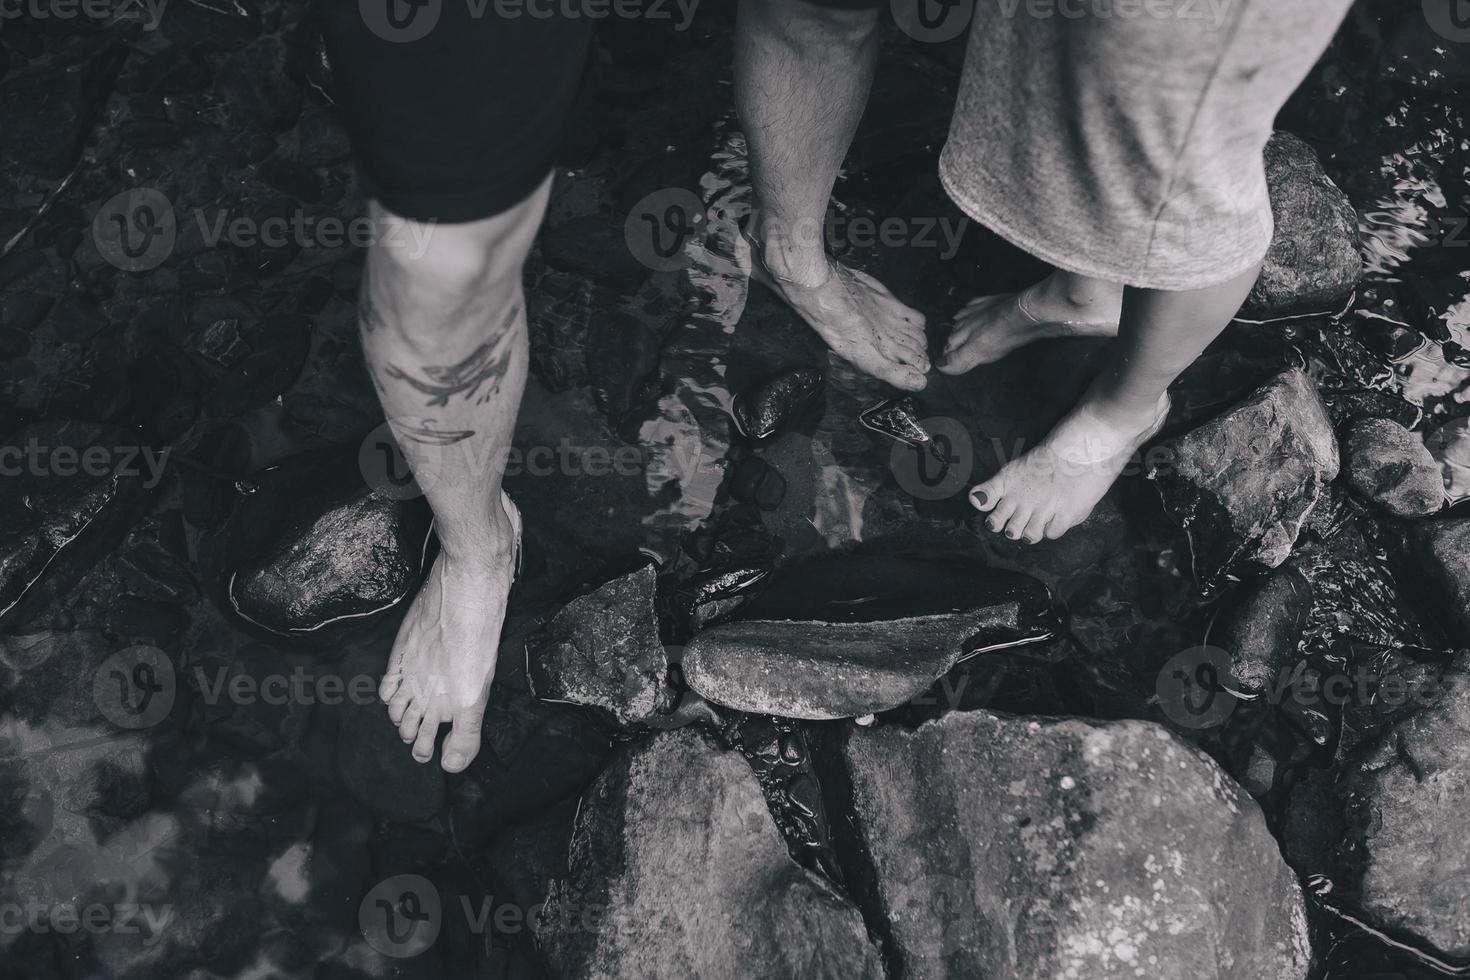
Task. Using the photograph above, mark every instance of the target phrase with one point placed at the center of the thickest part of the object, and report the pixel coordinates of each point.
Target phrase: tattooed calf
(486, 364)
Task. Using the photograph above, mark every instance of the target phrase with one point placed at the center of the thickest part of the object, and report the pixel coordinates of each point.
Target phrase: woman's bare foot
(1061, 305)
(1052, 488)
(854, 313)
(444, 657)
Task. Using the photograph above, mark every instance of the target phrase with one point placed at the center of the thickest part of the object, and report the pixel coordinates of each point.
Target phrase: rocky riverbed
(770, 700)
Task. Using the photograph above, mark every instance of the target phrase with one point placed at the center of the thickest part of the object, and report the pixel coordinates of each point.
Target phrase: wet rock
(594, 246)
(676, 870)
(1003, 846)
(334, 553)
(1390, 466)
(622, 354)
(277, 350)
(1243, 484)
(533, 755)
(1437, 555)
(754, 481)
(1450, 446)
(716, 595)
(897, 418)
(1260, 628)
(852, 664)
(1408, 813)
(560, 310)
(765, 410)
(602, 650)
(1313, 264)
(49, 113)
(380, 771)
(262, 82)
(78, 487)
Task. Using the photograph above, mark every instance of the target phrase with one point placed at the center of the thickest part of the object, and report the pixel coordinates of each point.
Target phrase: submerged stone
(318, 550)
(897, 418)
(1313, 264)
(1241, 486)
(1261, 627)
(763, 411)
(1032, 849)
(603, 650)
(77, 482)
(1391, 466)
(676, 870)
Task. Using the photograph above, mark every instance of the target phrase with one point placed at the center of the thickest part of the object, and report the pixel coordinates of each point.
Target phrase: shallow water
(218, 808)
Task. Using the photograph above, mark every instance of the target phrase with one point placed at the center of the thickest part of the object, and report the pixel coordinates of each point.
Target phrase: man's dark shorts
(455, 108)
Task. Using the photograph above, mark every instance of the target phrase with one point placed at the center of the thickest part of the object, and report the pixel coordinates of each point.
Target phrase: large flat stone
(676, 870)
(845, 664)
(1036, 849)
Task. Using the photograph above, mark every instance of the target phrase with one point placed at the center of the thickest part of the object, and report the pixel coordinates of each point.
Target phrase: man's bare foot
(444, 657)
(1053, 487)
(854, 313)
(990, 327)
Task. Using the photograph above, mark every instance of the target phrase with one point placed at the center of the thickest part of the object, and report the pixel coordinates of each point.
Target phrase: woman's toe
(984, 496)
(1001, 514)
(1035, 528)
(423, 743)
(389, 686)
(1016, 523)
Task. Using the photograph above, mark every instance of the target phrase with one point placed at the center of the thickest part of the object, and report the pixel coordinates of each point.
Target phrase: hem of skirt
(1065, 260)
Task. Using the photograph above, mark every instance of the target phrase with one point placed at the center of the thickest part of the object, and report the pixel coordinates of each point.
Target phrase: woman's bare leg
(1064, 304)
(1053, 487)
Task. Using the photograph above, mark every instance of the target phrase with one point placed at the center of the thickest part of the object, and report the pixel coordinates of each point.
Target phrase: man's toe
(463, 743)
(423, 743)
(408, 725)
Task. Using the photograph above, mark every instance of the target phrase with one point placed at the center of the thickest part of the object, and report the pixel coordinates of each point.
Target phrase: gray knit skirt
(1123, 139)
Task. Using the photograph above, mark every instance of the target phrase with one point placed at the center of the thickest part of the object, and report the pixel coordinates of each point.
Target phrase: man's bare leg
(446, 342)
(802, 75)
(1053, 487)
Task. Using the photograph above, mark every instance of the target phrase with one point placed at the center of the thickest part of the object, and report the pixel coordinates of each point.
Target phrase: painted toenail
(979, 497)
